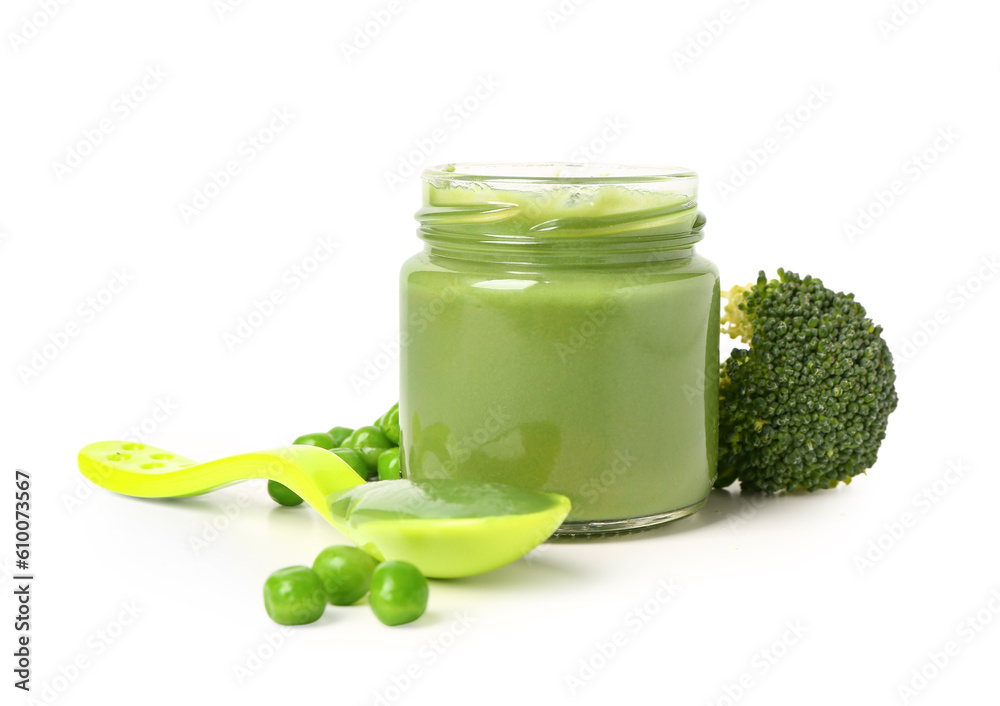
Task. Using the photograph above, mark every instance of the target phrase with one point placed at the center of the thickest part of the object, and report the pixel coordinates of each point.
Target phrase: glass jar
(559, 333)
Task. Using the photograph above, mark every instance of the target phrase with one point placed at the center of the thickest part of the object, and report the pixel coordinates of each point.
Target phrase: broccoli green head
(806, 406)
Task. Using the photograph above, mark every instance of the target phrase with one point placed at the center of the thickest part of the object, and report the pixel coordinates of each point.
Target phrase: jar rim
(587, 173)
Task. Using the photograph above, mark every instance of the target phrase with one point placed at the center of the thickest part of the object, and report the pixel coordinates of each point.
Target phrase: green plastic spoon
(446, 528)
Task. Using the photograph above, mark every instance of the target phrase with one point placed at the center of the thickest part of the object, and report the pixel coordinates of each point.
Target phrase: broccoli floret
(806, 406)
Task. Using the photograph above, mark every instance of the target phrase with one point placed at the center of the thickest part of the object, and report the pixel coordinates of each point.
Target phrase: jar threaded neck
(576, 210)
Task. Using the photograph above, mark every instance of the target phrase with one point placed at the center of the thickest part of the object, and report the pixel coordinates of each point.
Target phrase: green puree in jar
(560, 334)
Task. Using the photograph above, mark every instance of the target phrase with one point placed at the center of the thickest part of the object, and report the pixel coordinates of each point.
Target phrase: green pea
(294, 596)
(389, 467)
(282, 495)
(389, 424)
(398, 592)
(339, 434)
(346, 573)
(354, 459)
(320, 439)
(371, 442)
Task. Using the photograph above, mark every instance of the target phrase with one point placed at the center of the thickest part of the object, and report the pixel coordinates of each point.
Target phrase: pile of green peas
(372, 451)
(342, 575)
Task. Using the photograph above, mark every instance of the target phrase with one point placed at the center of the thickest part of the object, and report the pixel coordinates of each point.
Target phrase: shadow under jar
(560, 333)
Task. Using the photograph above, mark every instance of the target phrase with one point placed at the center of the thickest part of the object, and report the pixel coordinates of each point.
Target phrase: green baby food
(563, 339)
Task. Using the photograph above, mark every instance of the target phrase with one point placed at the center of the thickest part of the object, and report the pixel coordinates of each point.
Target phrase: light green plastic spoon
(447, 528)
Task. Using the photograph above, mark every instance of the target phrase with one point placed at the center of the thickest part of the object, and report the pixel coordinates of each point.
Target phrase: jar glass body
(581, 357)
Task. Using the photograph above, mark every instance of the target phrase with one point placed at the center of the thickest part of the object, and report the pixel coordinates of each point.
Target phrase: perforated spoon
(447, 528)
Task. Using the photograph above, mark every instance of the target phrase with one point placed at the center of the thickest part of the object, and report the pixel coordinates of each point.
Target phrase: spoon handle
(146, 471)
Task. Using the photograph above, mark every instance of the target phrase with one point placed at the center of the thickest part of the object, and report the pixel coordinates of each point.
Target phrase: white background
(624, 81)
